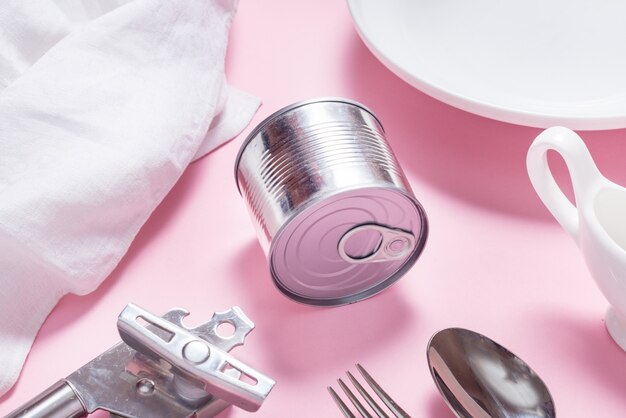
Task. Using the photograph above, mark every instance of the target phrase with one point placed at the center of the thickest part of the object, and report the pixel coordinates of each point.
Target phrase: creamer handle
(582, 169)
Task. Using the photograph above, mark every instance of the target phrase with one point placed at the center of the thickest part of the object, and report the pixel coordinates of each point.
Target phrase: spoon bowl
(478, 378)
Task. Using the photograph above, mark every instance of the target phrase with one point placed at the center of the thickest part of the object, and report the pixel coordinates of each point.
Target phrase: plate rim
(524, 117)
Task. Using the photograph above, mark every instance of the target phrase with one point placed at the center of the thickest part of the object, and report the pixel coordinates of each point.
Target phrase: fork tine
(367, 397)
(354, 399)
(342, 406)
(391, 404)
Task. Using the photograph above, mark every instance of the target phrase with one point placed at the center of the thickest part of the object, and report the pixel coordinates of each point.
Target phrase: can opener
(160, 369)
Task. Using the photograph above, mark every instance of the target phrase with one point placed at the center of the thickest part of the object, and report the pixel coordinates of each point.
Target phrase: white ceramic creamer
(597, 222)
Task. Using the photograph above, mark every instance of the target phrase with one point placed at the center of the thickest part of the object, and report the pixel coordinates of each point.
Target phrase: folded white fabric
(102, 106)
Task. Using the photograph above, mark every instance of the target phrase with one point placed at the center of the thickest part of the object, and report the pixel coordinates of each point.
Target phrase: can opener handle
(142, 377)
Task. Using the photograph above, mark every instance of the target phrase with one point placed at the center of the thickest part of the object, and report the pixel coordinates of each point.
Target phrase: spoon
(478, 378)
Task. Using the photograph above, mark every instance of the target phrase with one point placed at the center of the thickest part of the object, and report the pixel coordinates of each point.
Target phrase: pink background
(496, 261)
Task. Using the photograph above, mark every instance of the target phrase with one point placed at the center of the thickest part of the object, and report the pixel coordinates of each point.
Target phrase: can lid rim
(409, 262)
(289, 108)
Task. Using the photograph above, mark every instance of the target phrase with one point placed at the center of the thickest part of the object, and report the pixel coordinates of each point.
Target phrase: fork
(391, 404)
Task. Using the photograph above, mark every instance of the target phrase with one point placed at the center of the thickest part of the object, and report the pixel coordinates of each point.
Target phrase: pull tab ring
(394, 244)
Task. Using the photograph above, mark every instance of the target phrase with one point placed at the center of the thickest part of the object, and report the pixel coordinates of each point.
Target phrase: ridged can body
(333, 210)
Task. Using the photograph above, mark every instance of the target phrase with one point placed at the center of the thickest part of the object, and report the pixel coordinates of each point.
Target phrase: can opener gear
(160, 369)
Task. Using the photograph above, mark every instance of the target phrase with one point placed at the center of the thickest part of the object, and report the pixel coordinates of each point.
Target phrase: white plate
(531, 62)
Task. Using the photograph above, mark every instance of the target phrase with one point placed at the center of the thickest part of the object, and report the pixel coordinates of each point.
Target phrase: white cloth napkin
(102, 106)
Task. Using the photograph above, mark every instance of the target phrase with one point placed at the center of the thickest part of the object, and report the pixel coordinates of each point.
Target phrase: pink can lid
(305, 258)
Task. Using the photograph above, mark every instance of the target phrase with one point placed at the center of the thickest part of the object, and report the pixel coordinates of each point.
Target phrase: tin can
(334, 212)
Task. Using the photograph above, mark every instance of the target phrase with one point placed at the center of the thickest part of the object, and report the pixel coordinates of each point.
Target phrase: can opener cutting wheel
(160, 369)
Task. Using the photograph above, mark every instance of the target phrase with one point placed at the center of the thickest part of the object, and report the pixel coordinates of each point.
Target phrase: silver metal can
(334, 212)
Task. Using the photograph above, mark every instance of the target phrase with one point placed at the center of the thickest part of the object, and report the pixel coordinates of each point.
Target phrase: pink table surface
(496, 262)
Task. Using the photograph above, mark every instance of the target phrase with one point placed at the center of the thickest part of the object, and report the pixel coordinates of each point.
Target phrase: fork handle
(58, 401)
